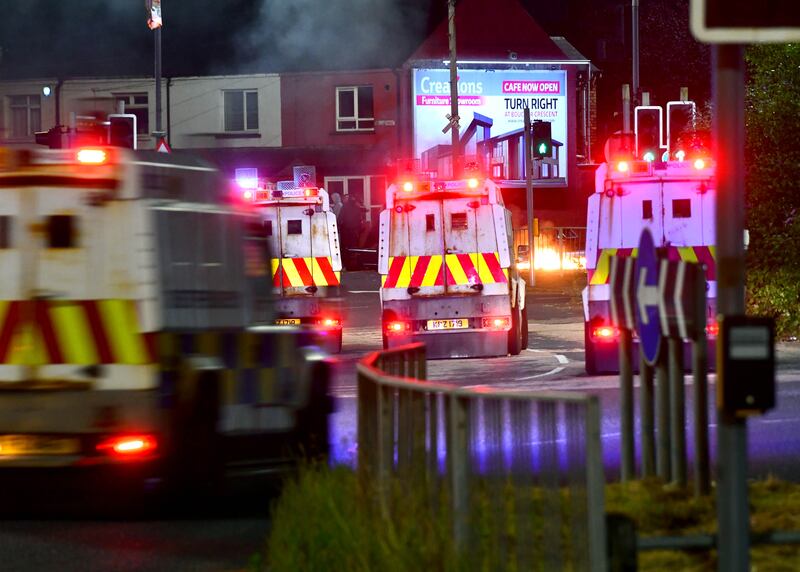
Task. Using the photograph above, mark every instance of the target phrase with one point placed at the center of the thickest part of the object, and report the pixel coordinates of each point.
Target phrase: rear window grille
(647, 209)
(430, 222)
(681, 208)
(458, 221)
(5, 231)
(61, 231)
(294, 226)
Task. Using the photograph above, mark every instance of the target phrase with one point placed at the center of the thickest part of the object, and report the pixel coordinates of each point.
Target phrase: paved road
(554, 360)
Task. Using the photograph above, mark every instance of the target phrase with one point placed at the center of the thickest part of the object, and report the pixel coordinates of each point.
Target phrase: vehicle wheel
(313, 419)
(590, 357)
(524, 325)
(515, 334)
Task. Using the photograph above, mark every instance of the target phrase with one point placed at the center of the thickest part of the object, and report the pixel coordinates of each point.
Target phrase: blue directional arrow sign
(645, 275)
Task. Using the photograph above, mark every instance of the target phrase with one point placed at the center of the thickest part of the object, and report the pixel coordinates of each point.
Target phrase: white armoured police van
(447, 275)
(307, 263)
(136, 343)
(676, 201)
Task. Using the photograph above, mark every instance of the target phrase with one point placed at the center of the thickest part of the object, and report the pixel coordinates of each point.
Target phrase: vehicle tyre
(590, 353)
(524, 325)
(515, 333)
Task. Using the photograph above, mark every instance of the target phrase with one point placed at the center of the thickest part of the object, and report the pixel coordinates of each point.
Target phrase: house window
(136, 104)
(26, 115)
(681, 208)
(241, 110)
(354, 111)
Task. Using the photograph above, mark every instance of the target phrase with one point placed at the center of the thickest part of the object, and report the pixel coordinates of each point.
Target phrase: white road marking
(363, 291)
(562, 359)
(553, 371)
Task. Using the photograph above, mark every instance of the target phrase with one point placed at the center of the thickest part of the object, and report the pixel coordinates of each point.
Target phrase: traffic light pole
(528, 143)
(732, 509)
(157, 36)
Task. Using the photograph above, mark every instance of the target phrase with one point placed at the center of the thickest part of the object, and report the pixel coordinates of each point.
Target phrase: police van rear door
(424, 267)
(461, 246)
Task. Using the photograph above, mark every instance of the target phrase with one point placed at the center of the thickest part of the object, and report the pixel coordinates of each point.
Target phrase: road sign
(744, 21)
(645, 275)
(622, 292)
(681, 312)
(162, 146)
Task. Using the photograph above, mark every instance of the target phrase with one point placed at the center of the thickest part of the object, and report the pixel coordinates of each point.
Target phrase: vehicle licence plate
(458, 324)
(287, 321)
(19, 445)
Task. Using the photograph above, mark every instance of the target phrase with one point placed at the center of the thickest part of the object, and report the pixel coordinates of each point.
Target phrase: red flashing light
(473, 183)
(605, 333)
(699, 164)
(623, 166)
(311, 192)
(396, 327)
(129, 446)
(497, 323)
(248, 195)
(90, 156)
(408, 186)
(712, 329)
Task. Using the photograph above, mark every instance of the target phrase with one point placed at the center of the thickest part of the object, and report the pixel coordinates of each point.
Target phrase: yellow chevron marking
(635, 253)
(4, 306)
(74, 334)
(338, 276)
(483, 269)
(687, 253)
(121, 327)
(505, 272)
(27, 346)
(267, 385)
(459, 276)
(383, 280)
(713, 250)
(209, 344)
(247, 352)
(600, 275)
(290, 271)
(432, 273)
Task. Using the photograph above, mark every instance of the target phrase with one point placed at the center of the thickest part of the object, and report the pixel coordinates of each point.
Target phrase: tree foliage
(773, 182)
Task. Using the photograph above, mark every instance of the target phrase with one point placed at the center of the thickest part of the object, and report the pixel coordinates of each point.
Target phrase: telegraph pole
(455, 144)
(155, 22)
(635, 47)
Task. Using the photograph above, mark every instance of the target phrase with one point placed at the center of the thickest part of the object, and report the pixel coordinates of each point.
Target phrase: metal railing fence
(556, 247)
(520, 472)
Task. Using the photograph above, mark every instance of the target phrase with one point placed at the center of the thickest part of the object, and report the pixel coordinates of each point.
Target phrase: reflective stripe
(127, 344)
(299, 272)
(600, 275)
(74, 331)
(429, 270)
(697, 254)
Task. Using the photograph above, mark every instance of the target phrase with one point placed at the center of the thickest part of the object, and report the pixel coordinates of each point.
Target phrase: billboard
(501, 95)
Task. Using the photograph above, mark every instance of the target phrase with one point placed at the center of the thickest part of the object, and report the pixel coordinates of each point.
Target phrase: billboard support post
(455, 131)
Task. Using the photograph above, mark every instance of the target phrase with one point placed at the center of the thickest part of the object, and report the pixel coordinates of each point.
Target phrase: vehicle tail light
(329, 322)
(699, 164)
(408, 186)
(92, 156)
(247, 195)
(311, 192)
(604, 333)
(129, 446)
(712, 329)
(623, 166)
(496, 322)
(472, 183)
(398, 327)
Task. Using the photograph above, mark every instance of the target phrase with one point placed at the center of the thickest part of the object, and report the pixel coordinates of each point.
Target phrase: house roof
(490, 30)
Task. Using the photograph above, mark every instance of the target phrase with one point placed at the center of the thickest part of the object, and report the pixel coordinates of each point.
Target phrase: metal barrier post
(678, 410)
(663, 456)
(647, 421)
(458, 449)
(626, 405)
(702, 472)
(595, 488)
(386, 431)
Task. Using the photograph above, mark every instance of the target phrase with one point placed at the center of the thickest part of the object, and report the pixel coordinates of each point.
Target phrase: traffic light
(647, 127)
(122, 130)
(542, 139)
(680, 125)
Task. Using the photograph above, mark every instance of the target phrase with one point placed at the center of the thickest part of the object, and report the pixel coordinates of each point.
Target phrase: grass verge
(325, 521)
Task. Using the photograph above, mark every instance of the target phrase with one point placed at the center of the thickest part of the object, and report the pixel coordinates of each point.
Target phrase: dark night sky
(110, 37)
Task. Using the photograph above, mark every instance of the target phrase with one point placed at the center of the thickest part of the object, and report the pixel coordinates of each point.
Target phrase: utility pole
(155, 23)
(635, 47)
(455, 145)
